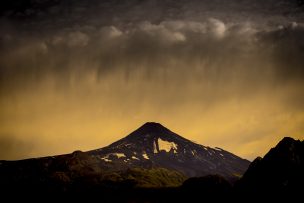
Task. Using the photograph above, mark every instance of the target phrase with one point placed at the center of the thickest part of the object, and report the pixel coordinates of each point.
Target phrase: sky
(79, 75)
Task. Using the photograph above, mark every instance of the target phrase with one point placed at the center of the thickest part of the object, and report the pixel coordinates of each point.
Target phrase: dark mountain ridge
(279, 172)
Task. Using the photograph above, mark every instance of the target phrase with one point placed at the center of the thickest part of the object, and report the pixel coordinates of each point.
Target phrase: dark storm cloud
(140, 46)
(68, 66)
(216, 50)
(57, 12)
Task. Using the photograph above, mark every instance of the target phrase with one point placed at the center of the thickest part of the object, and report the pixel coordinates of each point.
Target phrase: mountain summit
(151, 127)
(153, 145)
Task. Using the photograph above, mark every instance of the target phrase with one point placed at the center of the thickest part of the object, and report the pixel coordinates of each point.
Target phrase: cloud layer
(212, 48)
(85, 81)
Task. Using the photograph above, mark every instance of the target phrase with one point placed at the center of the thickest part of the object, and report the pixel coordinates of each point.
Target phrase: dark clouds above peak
(65, 63)
(212, 48)
(59, 14)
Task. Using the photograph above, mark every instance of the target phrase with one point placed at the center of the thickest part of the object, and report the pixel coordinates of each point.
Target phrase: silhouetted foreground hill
(279, 173)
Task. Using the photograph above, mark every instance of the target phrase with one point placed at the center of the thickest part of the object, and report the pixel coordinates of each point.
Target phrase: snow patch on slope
(134, 157)
(145, 156)
(193, 152)
(154, 148)
(106, 159)
(119, 155)
(167, 146)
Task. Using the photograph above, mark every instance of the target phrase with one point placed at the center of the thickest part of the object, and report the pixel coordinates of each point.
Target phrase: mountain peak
(287, 141)
(153, 124)
(152, 128)
(288, 144)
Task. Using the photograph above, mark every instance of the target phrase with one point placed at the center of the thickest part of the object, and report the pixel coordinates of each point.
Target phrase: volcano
(153, 145)
(151, 157)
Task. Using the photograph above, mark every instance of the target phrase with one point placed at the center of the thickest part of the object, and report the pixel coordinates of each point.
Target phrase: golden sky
(233, 85)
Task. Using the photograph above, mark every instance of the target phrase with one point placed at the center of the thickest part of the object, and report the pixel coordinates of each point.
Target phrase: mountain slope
(153, 145)
(150, 157)
(279, 172)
